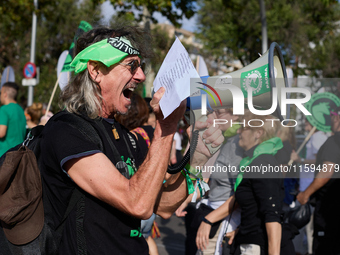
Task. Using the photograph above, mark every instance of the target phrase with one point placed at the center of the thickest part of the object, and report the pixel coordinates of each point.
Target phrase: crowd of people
(126, 181)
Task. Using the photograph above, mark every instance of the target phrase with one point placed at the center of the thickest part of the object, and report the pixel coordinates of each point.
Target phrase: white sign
(29, 82)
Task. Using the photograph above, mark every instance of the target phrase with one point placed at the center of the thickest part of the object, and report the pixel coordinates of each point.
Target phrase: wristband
(207, 221)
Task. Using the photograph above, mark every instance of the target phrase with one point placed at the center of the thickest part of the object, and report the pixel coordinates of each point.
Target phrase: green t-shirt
(12, 116)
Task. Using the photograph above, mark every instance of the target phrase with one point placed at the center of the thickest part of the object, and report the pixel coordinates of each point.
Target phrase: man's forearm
(150, 175)
(223, 211)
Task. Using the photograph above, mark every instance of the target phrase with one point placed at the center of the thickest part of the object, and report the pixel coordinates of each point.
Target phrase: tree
(233, 28)
(56, 32)
(319, 38)
(173, 10)
(57, 22)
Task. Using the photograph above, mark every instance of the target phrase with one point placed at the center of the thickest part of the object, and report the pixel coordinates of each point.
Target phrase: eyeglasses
(134, 64)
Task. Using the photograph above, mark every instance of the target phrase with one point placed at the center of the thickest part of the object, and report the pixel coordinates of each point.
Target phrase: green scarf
(109, 51)
(270, 146)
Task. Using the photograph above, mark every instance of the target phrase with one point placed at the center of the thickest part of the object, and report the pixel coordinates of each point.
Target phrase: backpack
(20, 174)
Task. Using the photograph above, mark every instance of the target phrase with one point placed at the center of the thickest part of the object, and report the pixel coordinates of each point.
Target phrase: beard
(124, 113)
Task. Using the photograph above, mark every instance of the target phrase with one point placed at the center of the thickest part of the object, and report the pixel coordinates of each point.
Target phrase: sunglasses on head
(334, 113)
(134, 64)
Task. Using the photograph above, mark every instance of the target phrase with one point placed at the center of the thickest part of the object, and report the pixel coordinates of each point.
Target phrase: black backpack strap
(116, 154)
(78, 197)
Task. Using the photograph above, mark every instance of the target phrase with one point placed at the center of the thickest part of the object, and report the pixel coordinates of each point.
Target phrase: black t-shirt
(107, 230)
(327, 197)
(260, 200)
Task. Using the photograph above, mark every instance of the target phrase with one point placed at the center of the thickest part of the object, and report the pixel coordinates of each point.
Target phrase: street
(172, 240)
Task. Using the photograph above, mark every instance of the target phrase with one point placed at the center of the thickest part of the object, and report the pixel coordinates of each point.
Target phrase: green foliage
(57, 22)
(166, 7)
(231, 29)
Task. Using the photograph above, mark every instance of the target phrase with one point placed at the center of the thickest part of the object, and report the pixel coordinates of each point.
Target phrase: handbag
(300, 215)
(202, 211)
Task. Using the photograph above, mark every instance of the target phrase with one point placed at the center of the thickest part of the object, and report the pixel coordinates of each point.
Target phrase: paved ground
(172, 237)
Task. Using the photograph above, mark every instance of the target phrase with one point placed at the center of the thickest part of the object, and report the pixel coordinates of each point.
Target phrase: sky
(187, 24)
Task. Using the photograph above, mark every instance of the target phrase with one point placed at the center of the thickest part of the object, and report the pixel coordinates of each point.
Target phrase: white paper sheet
(174, 75)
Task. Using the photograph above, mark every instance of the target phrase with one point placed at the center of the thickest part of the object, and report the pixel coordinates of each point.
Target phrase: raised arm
(99, 177)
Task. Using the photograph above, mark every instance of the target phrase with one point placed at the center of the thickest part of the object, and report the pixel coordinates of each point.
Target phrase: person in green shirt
(12, 118)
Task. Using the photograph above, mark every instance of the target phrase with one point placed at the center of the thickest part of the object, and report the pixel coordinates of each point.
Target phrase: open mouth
(128, 92)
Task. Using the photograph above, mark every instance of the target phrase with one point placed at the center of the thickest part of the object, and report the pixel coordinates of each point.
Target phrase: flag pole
(53, 92)
(303, 144)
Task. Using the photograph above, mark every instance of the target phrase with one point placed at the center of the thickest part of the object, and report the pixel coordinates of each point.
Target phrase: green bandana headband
(109, 51)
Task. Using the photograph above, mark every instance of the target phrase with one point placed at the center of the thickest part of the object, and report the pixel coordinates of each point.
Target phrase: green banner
(320, 106)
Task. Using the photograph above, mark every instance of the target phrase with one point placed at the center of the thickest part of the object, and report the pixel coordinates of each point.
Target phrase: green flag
(83, 27)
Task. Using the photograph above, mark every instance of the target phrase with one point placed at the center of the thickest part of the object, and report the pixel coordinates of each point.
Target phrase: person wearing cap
(325, 189)
(108, 67)
(12, 118)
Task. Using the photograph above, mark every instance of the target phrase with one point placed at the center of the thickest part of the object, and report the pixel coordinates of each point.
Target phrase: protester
(287, 135)
(222, 183)
(12, 118)
(107, 69)
(258, 195)
(45, 116)
(313, 145)
(176, 151)
(325, 189)
(33, 114)
(152, 118)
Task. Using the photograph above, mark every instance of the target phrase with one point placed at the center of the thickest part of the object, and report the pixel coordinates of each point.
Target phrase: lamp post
(32, 56)
(264, 27)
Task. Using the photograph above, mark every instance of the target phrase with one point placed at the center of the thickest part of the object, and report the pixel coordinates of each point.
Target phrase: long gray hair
(83, 93)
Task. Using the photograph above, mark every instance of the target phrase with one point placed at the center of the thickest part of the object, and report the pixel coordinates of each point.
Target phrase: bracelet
(207, 221)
